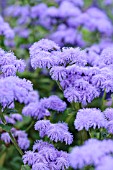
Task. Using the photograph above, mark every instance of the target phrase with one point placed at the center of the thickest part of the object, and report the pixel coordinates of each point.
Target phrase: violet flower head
(83, 92)
(18, 90)
(40, 166)
(82, 156)
(9, 65)
(105, 164)
(20, 136)
(54, 103)
(89, 118)
(56, 132)
(43, 45)
(5, 137)
(23, 143)
(40, 53)
(36, 110)
(46, 156)
(58, 73)
(108, 113)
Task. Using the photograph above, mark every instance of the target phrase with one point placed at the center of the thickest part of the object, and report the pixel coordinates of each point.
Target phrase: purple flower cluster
(93, 152)
(45, 156)
(17, 91)
(20, 136)
(9, 65)
(13, 118)
(82, 74)
(56, 132)
(60, 21)
(40, 108)
(89, 118)
(7, 31)
(93, 118)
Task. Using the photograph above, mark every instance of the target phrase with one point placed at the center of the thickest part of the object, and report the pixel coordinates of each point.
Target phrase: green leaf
(7, 111)
(7, 127)
(25, 167)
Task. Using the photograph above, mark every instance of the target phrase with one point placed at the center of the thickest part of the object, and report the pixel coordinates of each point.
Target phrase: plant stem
(15, 143)
(30, 126)
(103, 98)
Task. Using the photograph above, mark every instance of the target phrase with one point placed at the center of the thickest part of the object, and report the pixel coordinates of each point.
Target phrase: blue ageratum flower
(46, 156)
(54, 103)
(40, 108)
(9, 65)
(105, 164)
(89, 118)
(21, 137)
(56, 132)
(108, 113)
(83, 92)
(58, 73)
(82, 156)
(17, 91)
(40, 54)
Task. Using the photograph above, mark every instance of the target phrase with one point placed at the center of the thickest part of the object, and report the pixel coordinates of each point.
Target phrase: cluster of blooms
(6, 31)
(84, 155)
(38, 109)
(46, 156)
(92, 71)
(20, 136)
(18, 90)
(12, 118)
(60, 21)
(56, 132)
(94, 118)
(9, 65)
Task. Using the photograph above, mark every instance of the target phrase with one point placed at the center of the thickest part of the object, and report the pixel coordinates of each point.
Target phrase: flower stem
(15, 143)
(103, 98)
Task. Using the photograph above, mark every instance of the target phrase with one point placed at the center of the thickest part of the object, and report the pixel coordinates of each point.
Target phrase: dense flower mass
(84, 155)
(17, 91)
(9, 65)
(87, 118)
(56, 132)
(39, 109)
(21, 137)
(45, 156)
(56, 85)
(7, 31)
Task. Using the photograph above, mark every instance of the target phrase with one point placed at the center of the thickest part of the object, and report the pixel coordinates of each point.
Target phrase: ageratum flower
(109, 126)
(9, 65)
(18, 90)
(58, 73)
(89, 118)
(82, 156)
(83, 92)
(21, 137)
(36, 110)
(40, 166)
(56, 132)
(108, 113)
(45, 156)
(5, 29)
(43, 45)
(54, 103)
(5, 137)
(105, 163)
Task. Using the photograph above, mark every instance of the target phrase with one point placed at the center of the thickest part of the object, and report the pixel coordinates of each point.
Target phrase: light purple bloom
(5, 137)
(82, 156)
(56, 132)
(89, 118)
(54, 103)
(108, 113)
